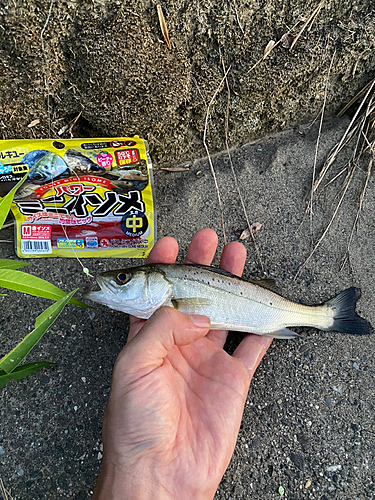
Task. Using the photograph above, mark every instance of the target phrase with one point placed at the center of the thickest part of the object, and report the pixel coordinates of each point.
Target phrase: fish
(79, 163)
(26, 191)
(33, 157)
(49, 168)
(231, 303)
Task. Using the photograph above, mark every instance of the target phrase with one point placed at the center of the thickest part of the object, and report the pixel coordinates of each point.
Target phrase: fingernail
(199, 320)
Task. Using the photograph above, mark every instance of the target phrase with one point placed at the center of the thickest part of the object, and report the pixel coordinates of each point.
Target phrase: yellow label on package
(82, 197)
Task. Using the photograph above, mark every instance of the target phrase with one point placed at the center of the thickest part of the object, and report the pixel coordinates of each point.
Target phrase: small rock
(334, 468)
(355, 366)
(20, 472)
(298, 460)
(308, 483)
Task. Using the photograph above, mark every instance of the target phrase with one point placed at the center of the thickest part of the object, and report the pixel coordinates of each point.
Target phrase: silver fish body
(230, 302)
(47, 169)
(79, 163)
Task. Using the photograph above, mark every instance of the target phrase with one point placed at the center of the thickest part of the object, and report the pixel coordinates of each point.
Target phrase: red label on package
(127, 156)
(35, 232)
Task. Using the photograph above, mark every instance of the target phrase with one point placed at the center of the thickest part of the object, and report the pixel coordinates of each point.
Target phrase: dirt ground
(102, 68)
(308, 424)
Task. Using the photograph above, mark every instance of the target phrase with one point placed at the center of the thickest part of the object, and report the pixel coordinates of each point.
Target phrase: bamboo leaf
(11, 360)
(21, 372)
(27, 283)
(12, 264)
(6, 202)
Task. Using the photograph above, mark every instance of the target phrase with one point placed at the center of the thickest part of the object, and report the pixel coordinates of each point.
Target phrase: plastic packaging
(82, 197)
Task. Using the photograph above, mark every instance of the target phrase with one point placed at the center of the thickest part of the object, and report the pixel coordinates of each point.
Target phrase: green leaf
(6, 202)
(3, 294)
(21, 372)
(27, 283)
(11, 360)
(12, 264)
(281, 490)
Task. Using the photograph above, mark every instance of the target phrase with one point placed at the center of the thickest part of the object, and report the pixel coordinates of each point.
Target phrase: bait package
(82, 197)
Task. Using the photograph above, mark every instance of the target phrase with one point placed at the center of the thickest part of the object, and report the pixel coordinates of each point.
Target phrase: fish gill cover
(85, 197)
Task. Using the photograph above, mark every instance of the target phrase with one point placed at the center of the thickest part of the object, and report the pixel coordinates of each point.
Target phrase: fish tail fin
(345, 319)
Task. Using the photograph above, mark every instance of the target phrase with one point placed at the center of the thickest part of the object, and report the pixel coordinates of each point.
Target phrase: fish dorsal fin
(267, 283)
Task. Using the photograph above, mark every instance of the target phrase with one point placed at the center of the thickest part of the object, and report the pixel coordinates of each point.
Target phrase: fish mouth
(100, 295)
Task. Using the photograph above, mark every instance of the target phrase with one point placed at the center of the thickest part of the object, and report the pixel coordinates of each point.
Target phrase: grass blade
(12, 264)
(27, 283)
(21, 372)
(6, 202)
(11, 360)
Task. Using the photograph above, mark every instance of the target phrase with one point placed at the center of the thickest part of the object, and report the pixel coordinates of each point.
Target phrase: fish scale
(254, 308)
(230, 302)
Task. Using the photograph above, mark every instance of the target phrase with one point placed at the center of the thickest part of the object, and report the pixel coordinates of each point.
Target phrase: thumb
(165, 329)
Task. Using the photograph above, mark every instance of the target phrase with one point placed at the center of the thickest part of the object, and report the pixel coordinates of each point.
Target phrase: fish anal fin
(191, 304)
(284, 333)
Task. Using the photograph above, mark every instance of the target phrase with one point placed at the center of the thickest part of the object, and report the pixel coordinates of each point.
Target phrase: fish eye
(122, 278)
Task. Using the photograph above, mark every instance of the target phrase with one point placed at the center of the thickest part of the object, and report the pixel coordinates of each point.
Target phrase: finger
(233, 260)
(164, 251)
(135, 325)
(165, 329)
(251, 350)
(202, 247)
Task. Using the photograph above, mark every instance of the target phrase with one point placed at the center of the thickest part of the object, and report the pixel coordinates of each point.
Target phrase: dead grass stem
(318, 141)
(5, 494)
(234, 172)
(361, 199)
(208, 152)
(308, 22)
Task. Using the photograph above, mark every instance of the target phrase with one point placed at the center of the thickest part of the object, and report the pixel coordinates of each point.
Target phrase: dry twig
(208, 152)
(251, 232)
(175, 169)
(10, 224)
(361, 199)
(310, 21)
(329, 224)
(5, 494)
(318, 140)
(349, 133)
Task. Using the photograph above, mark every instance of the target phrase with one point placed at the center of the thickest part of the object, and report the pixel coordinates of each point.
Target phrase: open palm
(177, 397)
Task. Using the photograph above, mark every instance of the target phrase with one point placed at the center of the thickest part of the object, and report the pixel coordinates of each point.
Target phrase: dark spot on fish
(58, 145)
(270, 303)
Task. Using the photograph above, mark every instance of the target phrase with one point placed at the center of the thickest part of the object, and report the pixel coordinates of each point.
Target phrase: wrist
(115, 484)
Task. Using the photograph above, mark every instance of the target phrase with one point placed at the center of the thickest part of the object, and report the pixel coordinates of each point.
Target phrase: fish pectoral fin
(191, 304)
(284, 333)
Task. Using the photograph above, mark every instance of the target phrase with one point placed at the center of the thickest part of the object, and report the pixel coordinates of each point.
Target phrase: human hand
(177, 398)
